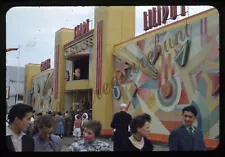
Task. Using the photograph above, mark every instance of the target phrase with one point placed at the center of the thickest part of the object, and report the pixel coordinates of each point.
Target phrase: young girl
(77, 127)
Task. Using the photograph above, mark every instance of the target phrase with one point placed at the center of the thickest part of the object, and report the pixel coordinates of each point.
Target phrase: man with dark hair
(19, 120)
(148, 117)
(187, 137)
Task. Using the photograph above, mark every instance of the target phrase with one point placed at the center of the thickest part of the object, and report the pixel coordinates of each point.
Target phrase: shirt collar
(9, 132)
(187, 127)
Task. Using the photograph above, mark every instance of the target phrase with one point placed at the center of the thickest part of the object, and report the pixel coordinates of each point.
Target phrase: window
(83, 65)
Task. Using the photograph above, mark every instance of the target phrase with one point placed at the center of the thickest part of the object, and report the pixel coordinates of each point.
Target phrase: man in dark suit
(19, 120)
(187, 137)
(120, 123)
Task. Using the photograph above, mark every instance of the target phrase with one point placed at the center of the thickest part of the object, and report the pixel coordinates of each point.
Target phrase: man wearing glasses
(187, 137)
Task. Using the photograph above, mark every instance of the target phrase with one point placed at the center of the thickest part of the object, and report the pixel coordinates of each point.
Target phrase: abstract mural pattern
(182, 69)
(43, 91)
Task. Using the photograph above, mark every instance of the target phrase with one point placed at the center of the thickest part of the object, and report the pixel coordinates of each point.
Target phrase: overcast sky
(33, 28)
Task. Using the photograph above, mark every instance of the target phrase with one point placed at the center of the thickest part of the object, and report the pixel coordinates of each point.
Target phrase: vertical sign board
(155, 17)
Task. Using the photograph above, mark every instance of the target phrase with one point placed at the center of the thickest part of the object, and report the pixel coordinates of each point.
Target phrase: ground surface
(66, 141)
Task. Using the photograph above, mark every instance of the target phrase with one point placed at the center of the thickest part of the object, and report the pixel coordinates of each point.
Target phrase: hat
(123, 106)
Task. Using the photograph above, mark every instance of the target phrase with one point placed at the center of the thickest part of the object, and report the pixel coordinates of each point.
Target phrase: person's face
(188, 118)
(144, 131)
(24, 123)
(45, 132)
(89, 135)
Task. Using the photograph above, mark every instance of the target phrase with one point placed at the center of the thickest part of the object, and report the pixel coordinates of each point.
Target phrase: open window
(81, 68)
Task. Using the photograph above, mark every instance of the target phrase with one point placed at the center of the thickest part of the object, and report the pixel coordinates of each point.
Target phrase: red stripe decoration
(159, 79)
(206, 27)
(57, 80)
(166, 69)
(54, 87)
(99, 57)
(203, 31)
(97, 60)
(100, 51)
(169, 65)
(56, 72)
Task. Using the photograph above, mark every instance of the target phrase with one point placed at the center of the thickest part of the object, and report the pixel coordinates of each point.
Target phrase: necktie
(190, 131)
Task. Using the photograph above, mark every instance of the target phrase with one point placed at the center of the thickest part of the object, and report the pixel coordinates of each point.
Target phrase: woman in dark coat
(138, 140)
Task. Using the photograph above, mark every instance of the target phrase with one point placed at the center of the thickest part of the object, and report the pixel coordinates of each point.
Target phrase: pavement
(67, 141)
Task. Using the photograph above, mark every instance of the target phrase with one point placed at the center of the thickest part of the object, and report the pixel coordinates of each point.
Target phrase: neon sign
(155, 17)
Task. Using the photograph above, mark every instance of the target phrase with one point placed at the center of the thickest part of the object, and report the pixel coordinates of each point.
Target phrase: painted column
(62, 37)
(112, 25)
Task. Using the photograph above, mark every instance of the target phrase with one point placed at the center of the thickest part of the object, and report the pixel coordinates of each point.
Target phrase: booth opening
(81, 66)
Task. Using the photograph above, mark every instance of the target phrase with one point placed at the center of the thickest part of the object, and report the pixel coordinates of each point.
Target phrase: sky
(33, 29)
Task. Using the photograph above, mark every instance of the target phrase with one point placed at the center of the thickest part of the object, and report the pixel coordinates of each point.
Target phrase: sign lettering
(153, 55)
(81, 29)
(46, 65)
(171, 43)
(155, 17)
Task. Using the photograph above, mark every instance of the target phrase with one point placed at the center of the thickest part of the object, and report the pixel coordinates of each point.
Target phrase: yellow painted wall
(78, 85)
(62, 37)
(118, 25)
(30, 71)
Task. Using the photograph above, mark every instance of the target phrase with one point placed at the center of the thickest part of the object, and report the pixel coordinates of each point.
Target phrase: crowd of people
(131, 134)
(26, 131)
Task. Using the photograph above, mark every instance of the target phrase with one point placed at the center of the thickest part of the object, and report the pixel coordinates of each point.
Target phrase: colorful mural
(165, 72)
(43, 91)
